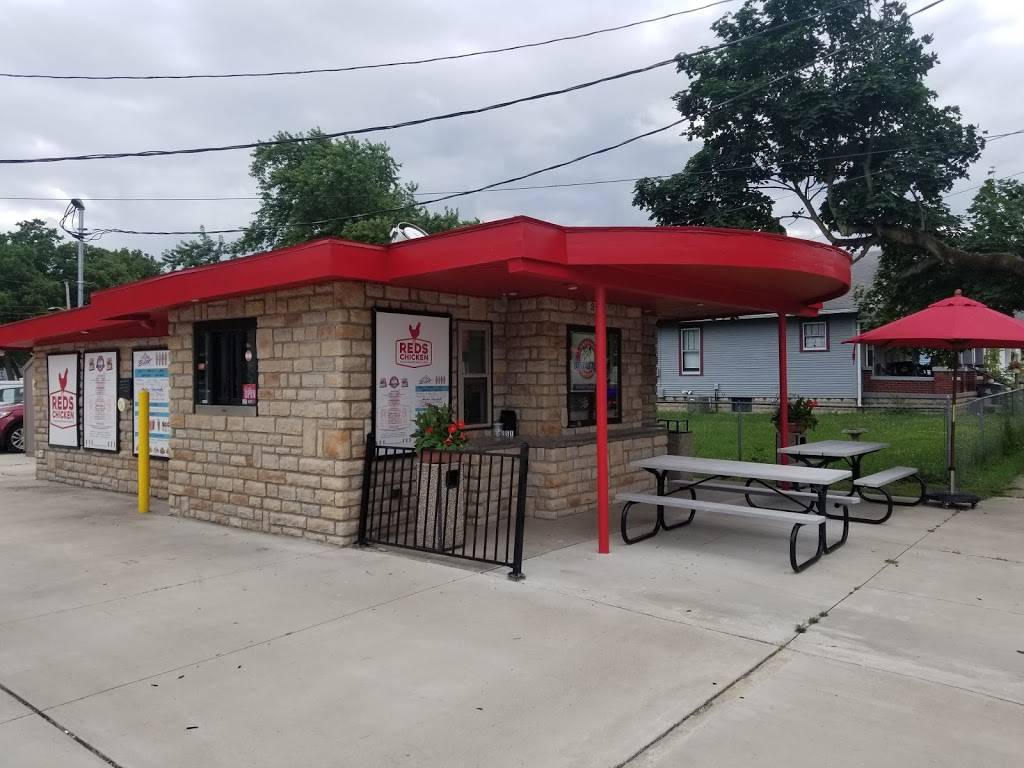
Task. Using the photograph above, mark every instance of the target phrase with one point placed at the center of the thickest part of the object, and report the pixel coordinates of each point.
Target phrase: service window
(475, 373)
(226, 368)
(582, 378)
(814, 336)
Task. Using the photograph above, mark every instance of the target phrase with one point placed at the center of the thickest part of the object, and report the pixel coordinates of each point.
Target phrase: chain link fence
(988, 430)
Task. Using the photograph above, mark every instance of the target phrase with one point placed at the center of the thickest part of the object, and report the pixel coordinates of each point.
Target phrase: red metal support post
(783, 391)
(601, 377)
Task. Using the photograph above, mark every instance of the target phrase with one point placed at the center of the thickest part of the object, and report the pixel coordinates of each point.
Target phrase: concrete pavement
(163, 642)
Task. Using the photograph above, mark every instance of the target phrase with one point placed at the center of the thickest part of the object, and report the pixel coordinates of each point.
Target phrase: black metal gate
(469, 504)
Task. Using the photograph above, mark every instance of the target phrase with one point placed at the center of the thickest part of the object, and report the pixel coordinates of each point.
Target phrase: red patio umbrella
(956, 324)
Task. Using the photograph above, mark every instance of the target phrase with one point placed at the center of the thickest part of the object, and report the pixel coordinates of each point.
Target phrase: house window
(475, 373)
(814, 336)
(691, 353)
(225, 369)
(582, 376)
(867, 357)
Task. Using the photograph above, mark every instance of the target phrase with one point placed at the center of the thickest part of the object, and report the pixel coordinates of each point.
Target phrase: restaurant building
(268, 373)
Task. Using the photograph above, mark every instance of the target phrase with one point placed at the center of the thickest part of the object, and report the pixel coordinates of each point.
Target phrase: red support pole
(601, 377)
(783, 391)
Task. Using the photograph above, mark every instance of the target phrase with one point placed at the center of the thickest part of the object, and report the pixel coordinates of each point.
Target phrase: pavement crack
(67, 732)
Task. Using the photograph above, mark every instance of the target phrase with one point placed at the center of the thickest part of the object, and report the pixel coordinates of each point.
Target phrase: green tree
(320, 188)
(195, 253)
(35, 262)
(994, 223)
(855, 135)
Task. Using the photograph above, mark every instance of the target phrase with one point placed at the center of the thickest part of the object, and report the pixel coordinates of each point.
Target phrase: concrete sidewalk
(158, 641)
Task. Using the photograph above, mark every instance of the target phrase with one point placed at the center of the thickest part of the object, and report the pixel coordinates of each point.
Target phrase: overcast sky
(978, 41)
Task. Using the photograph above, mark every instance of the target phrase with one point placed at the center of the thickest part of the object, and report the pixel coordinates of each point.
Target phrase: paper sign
(99, 403)
(62, 399)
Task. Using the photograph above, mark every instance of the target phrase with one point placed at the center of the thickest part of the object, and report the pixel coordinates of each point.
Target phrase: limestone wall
(87, 468)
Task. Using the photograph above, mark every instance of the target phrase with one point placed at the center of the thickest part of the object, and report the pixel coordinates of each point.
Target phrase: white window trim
(803, 336)
(488, 363)
(699, 350)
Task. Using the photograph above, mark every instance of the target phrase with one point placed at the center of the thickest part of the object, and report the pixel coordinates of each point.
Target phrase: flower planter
(440, 501)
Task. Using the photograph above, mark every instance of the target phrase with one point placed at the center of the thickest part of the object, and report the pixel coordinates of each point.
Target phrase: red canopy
(955, 323)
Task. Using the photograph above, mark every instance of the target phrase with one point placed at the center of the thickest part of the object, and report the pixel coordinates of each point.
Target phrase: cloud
(976, 43)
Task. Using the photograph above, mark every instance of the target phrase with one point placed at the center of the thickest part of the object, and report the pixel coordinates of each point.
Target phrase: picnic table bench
(709, 471)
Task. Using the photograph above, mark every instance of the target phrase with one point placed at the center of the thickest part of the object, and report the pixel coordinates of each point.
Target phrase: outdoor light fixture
(510, 295)
(572, 287)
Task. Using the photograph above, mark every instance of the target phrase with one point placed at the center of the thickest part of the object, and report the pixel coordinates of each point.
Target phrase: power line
(424, 120)
(559, 185)
(555, 166)
(382, 65)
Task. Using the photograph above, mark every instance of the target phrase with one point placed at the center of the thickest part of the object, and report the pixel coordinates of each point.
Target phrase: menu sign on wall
(62, 399)
(99, 405)
(412, 359)
(150, 373)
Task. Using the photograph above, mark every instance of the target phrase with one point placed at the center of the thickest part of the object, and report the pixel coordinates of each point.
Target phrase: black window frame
(612, 336)
(202, 339)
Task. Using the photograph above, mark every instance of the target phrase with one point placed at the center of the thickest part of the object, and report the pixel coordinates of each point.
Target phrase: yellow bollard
(143, 451)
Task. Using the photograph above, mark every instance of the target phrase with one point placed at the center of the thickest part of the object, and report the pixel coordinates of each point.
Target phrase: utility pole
(80, 207)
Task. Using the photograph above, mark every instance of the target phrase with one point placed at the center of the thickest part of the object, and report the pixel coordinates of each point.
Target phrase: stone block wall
(87, 468)
(536, 339)
(295, 467)
(563, 479)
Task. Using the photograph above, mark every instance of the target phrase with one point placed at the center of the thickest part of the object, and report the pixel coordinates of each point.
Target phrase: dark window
(581, 376)
(225, 363)
(475, 373)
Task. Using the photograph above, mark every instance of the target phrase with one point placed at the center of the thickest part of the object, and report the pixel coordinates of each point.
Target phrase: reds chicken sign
(62, 399)
(412, 362)
(413, 352)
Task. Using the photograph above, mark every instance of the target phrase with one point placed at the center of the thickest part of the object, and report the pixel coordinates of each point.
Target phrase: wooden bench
(796, 519)
(878, 482)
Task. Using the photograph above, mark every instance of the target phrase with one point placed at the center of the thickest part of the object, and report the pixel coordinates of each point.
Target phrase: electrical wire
(433, 118)
(555, 166)
(383, 65)
(585, 183)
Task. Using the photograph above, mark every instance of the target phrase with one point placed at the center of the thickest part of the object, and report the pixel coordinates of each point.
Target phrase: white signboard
(412, 359)
(62, 399)
(99, 404)
(150, 374)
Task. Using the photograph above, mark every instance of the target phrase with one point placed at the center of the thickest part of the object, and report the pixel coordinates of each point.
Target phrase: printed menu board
(99, 404)
(412, 359)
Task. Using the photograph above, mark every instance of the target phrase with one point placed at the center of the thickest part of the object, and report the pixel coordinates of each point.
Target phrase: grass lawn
(916, 439)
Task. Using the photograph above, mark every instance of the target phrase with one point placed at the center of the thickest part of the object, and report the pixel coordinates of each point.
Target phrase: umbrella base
(949, 500)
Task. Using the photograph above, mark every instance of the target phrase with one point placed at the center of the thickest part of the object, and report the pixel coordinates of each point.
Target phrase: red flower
(448, 441)
(429, 430)
(451, 429)
(460, 424)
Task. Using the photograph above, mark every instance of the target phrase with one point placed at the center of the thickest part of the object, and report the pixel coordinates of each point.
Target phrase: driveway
(157, 641)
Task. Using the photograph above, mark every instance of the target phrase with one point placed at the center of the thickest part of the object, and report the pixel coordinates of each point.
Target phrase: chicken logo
(63, 402)
(413, 352)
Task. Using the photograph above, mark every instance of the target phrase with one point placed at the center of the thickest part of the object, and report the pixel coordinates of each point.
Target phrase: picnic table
(772, 479)
(826, 452)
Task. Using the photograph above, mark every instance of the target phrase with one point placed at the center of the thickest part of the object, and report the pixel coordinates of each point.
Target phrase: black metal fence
(468, 504)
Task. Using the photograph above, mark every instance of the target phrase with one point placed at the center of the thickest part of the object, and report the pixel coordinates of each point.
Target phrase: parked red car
(12, 416)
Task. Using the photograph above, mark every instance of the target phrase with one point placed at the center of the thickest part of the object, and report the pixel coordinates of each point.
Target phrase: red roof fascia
(727, 270)
(313, 262)
(77, 325)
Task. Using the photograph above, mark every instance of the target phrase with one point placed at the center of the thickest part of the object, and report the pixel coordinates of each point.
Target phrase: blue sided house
(735, 362)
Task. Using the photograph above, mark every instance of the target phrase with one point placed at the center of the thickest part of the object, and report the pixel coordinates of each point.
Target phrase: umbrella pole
(952, 429)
